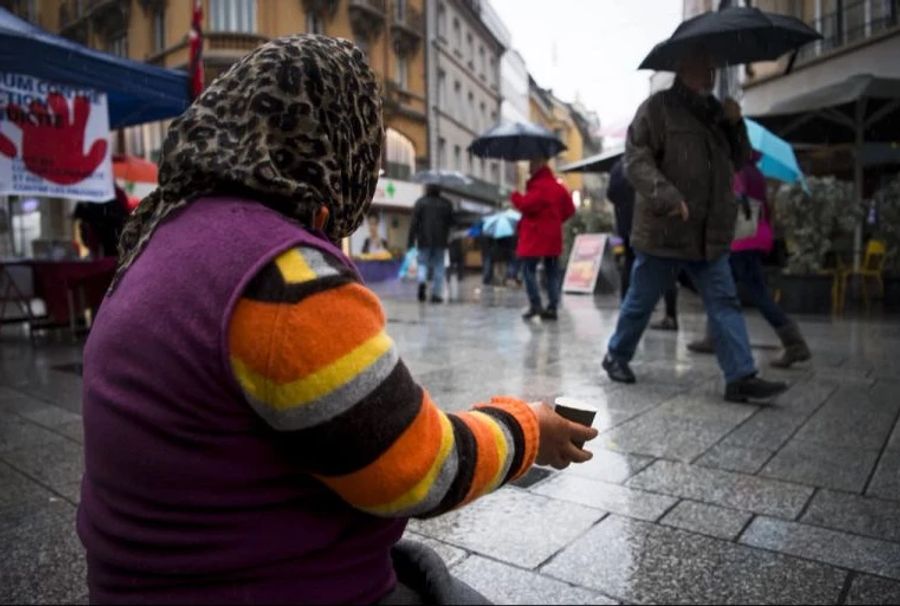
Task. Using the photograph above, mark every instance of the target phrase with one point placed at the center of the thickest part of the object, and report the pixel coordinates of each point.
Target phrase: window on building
(457, 157)
(442, 89)
(483, 118)
(159, 29)
(400, 10)
(400, 155)
(470, 168)
(470, 110)
(483, 172)
(363, 43)
(470, 48)
(457, 36)
(402, 71)
(457, 100)
(492, 72)
(118, 45)
(232, 15)
(314, 23)
(482, 65)
(442, 20)
(442, 153)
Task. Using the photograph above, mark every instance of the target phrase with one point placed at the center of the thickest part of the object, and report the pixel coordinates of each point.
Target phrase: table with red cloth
(68, 287)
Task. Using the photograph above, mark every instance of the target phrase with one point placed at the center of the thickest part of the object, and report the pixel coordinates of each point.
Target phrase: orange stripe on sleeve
(401, 466)
(487, 462)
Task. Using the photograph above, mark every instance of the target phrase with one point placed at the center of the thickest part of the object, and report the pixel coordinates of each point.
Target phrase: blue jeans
(551, 267)
(432, 259)
(746, 266)
(650, 277)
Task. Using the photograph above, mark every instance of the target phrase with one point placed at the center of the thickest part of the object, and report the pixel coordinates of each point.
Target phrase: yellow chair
(872, 268)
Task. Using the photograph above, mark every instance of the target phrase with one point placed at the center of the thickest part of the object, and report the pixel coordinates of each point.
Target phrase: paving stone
(735, 458)
(450, 554)
(17, 488)
(867, 589)
(43, 563)
(511, 525)
(504, 584)
(51, 416)
(56, 465)
(718, 522)
(725, 488)
(666, 436)
(17, 433)
(73, 430)
(822, 465)
(855, 417)
(823, 545)
(638, 562)
(607, 497)
(609, 466)
(872, 517)
(886, 481)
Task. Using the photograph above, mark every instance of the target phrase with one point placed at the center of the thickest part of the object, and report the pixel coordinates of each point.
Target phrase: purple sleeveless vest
(184, 497)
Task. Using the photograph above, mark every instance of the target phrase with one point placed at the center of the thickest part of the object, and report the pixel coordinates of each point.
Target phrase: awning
(600, 163)
(862, 108)
(137, 92)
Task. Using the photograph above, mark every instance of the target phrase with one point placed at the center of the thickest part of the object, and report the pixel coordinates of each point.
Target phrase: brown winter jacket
(673, 154)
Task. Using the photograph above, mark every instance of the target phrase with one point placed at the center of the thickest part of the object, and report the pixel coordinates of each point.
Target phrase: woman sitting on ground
(251, 434)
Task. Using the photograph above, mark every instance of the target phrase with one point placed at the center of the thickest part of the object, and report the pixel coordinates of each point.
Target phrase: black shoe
(435, 299)
(753, 388)
(618, 371)
(531, 313)
(549, 314)
(666, 323)
(422, 296)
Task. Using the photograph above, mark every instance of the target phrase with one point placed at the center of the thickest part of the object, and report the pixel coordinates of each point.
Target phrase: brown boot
(795, 348)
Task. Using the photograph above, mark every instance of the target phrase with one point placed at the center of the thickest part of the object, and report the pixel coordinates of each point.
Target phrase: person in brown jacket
(681, 153)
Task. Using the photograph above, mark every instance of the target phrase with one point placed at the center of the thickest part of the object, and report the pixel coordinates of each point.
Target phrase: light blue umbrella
(502, 224)
(778, 160)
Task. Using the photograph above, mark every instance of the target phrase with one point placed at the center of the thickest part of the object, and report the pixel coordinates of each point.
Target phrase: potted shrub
(888, 204)
(818, 224)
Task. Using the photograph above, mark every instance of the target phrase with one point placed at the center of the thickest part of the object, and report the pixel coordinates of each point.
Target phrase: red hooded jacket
(545, 206)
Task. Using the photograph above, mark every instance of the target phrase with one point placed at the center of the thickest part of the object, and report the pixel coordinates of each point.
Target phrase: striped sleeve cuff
(522, 423)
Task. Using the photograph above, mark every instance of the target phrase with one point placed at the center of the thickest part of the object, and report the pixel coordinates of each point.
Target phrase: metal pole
(858, 180)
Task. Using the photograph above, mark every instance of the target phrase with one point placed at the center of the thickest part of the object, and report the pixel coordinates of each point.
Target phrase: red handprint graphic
(7, 147)
(52, 143)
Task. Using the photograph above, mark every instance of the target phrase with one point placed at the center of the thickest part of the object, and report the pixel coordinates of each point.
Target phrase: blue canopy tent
(136, 92)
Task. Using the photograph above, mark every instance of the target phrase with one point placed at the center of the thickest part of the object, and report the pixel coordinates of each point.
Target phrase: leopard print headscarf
(296, 124)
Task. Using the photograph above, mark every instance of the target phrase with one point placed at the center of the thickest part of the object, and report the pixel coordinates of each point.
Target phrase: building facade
(514, 107)
(391, 32)
(464, 74)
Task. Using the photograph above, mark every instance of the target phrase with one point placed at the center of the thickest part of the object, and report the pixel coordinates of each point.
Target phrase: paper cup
(575, 411)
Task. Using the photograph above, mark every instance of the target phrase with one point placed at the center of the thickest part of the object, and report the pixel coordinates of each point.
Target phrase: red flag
(196, 49)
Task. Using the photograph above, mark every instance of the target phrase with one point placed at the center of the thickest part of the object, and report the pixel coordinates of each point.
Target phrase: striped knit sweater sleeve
(308, 347)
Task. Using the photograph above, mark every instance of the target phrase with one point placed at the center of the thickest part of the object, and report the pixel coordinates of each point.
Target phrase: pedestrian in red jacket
(545, 206)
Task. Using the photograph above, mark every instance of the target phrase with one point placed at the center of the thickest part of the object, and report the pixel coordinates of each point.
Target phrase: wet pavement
(688, 499)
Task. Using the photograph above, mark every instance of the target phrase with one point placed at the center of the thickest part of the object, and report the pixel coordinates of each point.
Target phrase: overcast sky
(591, 47)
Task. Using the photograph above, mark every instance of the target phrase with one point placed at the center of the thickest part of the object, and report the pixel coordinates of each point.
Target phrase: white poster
(54, 140)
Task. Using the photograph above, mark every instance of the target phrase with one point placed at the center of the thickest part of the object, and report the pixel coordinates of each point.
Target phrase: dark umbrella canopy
(732, 36)
(516, 141)
(443, 178)
(600, 163)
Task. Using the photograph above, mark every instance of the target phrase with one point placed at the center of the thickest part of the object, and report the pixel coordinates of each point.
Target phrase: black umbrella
(515, 141)
(443, 178)
(600, 163)
(732, 36)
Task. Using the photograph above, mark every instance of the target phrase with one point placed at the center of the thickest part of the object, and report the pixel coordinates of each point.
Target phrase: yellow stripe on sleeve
(294, 268)
(502, 450)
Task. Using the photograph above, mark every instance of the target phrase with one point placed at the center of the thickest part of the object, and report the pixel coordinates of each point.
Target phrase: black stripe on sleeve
(358, 436)
(268, 286)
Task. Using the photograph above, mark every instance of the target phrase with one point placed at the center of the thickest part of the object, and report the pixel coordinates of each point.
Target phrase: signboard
(397, 194)
(54, 140)
(590, 266)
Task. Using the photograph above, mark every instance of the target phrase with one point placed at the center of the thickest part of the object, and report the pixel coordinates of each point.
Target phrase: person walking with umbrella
(545, 206)
(430, 231)
(681, 152)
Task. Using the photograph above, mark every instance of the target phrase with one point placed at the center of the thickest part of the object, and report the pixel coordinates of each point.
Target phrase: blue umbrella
(778, 160)
(502, 224)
